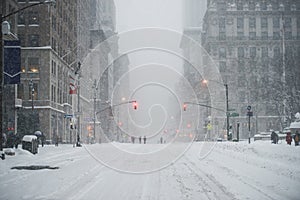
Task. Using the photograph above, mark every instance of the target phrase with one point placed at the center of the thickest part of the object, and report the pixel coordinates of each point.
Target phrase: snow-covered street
(230, 171)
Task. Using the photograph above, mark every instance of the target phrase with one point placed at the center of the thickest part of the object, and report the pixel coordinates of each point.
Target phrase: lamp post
(2, 18)
(227, 102)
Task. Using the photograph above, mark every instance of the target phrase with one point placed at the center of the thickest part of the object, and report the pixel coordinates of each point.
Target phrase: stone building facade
(256, 46)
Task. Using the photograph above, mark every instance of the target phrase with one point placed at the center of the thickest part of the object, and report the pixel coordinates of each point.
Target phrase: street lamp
(204, 81)
(2, 18)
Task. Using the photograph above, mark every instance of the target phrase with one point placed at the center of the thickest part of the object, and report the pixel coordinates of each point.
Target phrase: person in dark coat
(297, 138)
(274, 137)
(145, 139)
(288, 138)
(140, 139)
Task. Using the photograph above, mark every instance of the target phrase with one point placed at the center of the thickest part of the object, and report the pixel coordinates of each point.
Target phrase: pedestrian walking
(296, 138)
(145, 139)
(274, 137)
(140, 139)
(288, 138)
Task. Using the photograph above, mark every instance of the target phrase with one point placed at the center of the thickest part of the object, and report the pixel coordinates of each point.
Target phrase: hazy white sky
(133, 14)
(137, 14)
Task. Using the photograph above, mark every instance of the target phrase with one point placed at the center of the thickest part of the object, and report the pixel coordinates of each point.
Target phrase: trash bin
(30, 143)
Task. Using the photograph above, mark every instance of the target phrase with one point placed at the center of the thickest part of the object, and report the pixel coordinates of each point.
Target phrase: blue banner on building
(12, 62)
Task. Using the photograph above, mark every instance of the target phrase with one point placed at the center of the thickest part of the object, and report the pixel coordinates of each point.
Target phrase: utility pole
(94, 117)
(227, 110)
(78, 72)
(1, 84)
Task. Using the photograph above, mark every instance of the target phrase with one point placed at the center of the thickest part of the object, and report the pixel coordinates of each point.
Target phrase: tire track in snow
(238, 177)
(83, 183)
(216, 189)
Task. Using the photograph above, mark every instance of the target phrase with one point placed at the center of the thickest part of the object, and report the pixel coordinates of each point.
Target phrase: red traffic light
(184, 107)
(135, 105)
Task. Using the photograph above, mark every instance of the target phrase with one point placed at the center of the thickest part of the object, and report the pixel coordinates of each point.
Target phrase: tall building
(256, 46)
(48, 36)
(10, 103)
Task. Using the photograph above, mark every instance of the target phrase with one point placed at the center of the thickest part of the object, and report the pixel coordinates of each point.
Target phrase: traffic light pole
(1, 85)
(227, 111)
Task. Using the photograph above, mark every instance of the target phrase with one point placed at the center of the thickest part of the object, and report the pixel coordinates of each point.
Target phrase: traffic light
(135, 105)
(184, 107)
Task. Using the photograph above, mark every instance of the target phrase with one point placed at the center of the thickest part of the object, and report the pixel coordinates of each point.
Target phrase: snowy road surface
(231, 171)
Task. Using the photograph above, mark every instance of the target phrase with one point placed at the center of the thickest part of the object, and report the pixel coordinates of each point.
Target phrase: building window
(33, 64)
(222, 23)
(264, 52)
(287, 22)
(288, 35)
(252, 35)
(276, 22)
(276, 52)
(251, 5)
(264, 35)
(33, 40)
(252, 52)
(240, 22)
(53, 67)
(263, 5)
(241, 81)
(240, 35)
(242, 96)
(241, 66)
(221, 6)
(241, 52)
(276, 35)
(21, 18)
(33, 18)
(222, 52)
(239, 6)
(222, 35)
(22, 39)
(222, 66)
(264, 22)
(252, 22)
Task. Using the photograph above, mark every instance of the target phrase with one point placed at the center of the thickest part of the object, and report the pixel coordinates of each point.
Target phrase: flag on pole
(12, 62)
(72, 85)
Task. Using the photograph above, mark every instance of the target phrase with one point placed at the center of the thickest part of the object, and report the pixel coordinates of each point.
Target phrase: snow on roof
(29, 138)
(295, 125)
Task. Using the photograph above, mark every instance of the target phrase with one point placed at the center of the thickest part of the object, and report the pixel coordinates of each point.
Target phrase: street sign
(234, 115)
(231, 109)
(250, 113)
(68, 116)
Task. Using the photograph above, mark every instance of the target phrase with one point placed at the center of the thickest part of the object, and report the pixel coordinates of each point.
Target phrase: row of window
(55, 92)
(257, 6)
(264, 22)
(33, 18)
(264, 35)
(33, 64)
(252, 52)
(32, 40)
